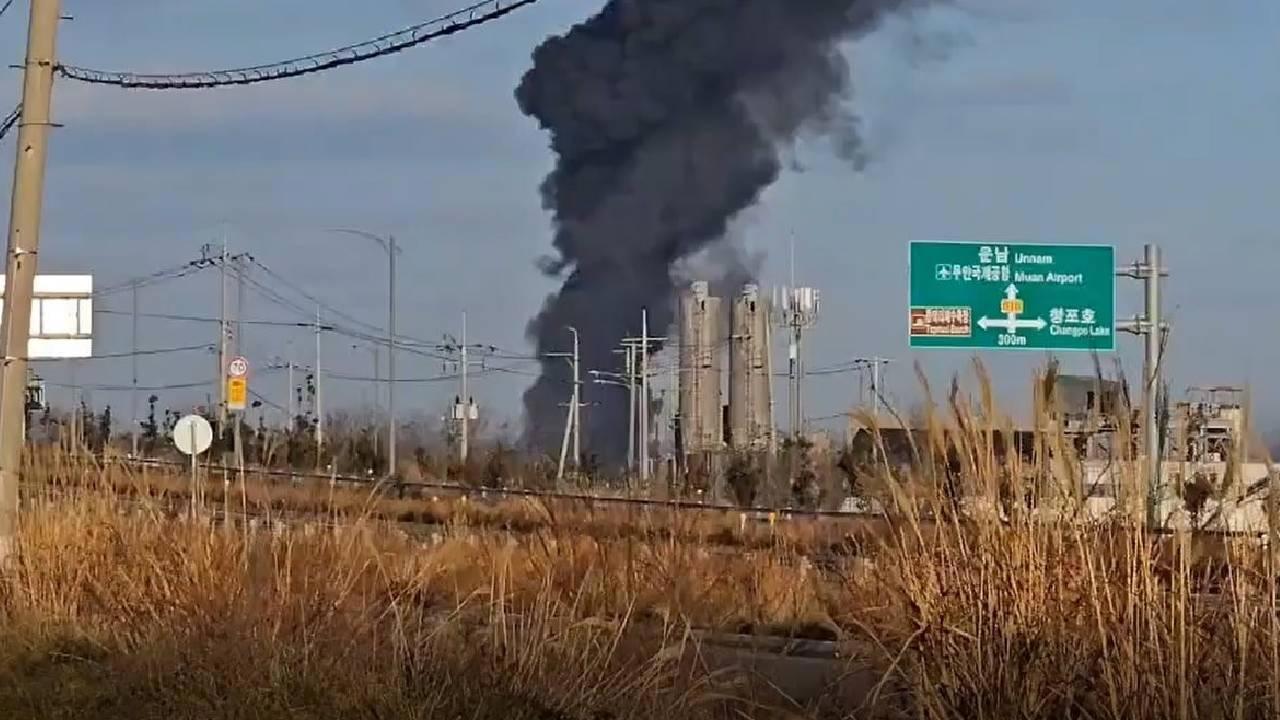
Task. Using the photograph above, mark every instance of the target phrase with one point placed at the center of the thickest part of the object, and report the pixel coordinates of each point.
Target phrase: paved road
(784, 673)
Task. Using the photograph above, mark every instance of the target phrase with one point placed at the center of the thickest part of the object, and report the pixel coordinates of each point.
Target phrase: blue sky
(1090, 121)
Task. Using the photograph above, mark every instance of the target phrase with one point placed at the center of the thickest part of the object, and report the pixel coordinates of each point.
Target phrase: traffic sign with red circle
(238, 368)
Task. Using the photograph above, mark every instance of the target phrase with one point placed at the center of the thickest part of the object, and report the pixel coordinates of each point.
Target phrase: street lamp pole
(392, 249)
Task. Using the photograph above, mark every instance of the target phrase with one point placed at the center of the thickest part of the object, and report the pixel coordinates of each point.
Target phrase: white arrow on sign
(1011, 324)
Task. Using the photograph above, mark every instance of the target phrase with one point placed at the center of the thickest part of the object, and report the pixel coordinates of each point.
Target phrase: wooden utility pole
(23, 246)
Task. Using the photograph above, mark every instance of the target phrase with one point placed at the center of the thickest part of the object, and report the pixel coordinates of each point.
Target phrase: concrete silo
(701, 361)
(750, 389)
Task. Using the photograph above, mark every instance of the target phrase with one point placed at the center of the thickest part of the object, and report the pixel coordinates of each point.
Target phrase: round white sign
(238, 368)
(192, 435)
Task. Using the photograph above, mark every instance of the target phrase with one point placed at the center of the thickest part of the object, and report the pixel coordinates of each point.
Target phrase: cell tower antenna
(796, 309)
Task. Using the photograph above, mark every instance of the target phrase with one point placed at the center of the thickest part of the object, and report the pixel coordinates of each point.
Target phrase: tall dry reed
(964, 599)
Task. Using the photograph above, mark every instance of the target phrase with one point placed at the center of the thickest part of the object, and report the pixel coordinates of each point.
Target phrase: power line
(4, 10)
(276, 298)
(122, 388)
(412, 36)
(199, 319)
(171, 273)
(263, 399)
(407, 381)
(135, 353)
(306, 295)
(364, 331)
(11, 120)
(435, 379)
(373, 334)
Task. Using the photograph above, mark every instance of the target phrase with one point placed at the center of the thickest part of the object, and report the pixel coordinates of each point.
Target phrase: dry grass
(116, 615)
(120, 611)
(270, 497)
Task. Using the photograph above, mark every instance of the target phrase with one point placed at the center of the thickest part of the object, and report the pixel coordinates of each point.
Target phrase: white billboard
(61, 317)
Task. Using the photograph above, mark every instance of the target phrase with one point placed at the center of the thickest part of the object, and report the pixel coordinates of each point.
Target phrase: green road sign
(1012, 297)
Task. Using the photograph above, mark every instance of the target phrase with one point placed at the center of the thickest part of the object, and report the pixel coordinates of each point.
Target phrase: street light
(389, 246)
(626, 381)
(377, 380)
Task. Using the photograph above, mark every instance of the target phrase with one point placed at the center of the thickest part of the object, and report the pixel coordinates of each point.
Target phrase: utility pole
(874, 364)
(22, 254)
(577, 401)
(464, 405)
(631, 414)
(464, 445)
(292, 413)
(1151, 325)
(237, 340)
(641, 345)
(564, 444)
(797, 403)
(239, 326)
(133, 388)
(223, 329)
(392, 249)
(75, 406)
(644, 395)
(293, 405)
(377, 404)
(572, 416)
(319, 407)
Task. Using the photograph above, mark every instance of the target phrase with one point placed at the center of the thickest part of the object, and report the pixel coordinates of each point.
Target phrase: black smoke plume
(667, 118)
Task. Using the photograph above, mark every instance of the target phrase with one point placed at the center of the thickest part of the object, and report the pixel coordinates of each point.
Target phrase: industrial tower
(701, 429)
(750, 372)
(796, 309)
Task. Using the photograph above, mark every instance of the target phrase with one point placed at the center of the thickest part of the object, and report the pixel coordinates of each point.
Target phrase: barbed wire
(10, 121)
(412, 36)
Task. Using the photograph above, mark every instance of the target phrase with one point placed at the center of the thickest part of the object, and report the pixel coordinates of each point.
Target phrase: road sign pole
(1152, 376)
(1153, 327)
(195, 469)
(193, 435)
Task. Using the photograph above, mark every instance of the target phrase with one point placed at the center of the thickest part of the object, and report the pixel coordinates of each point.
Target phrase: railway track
(421, 489)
